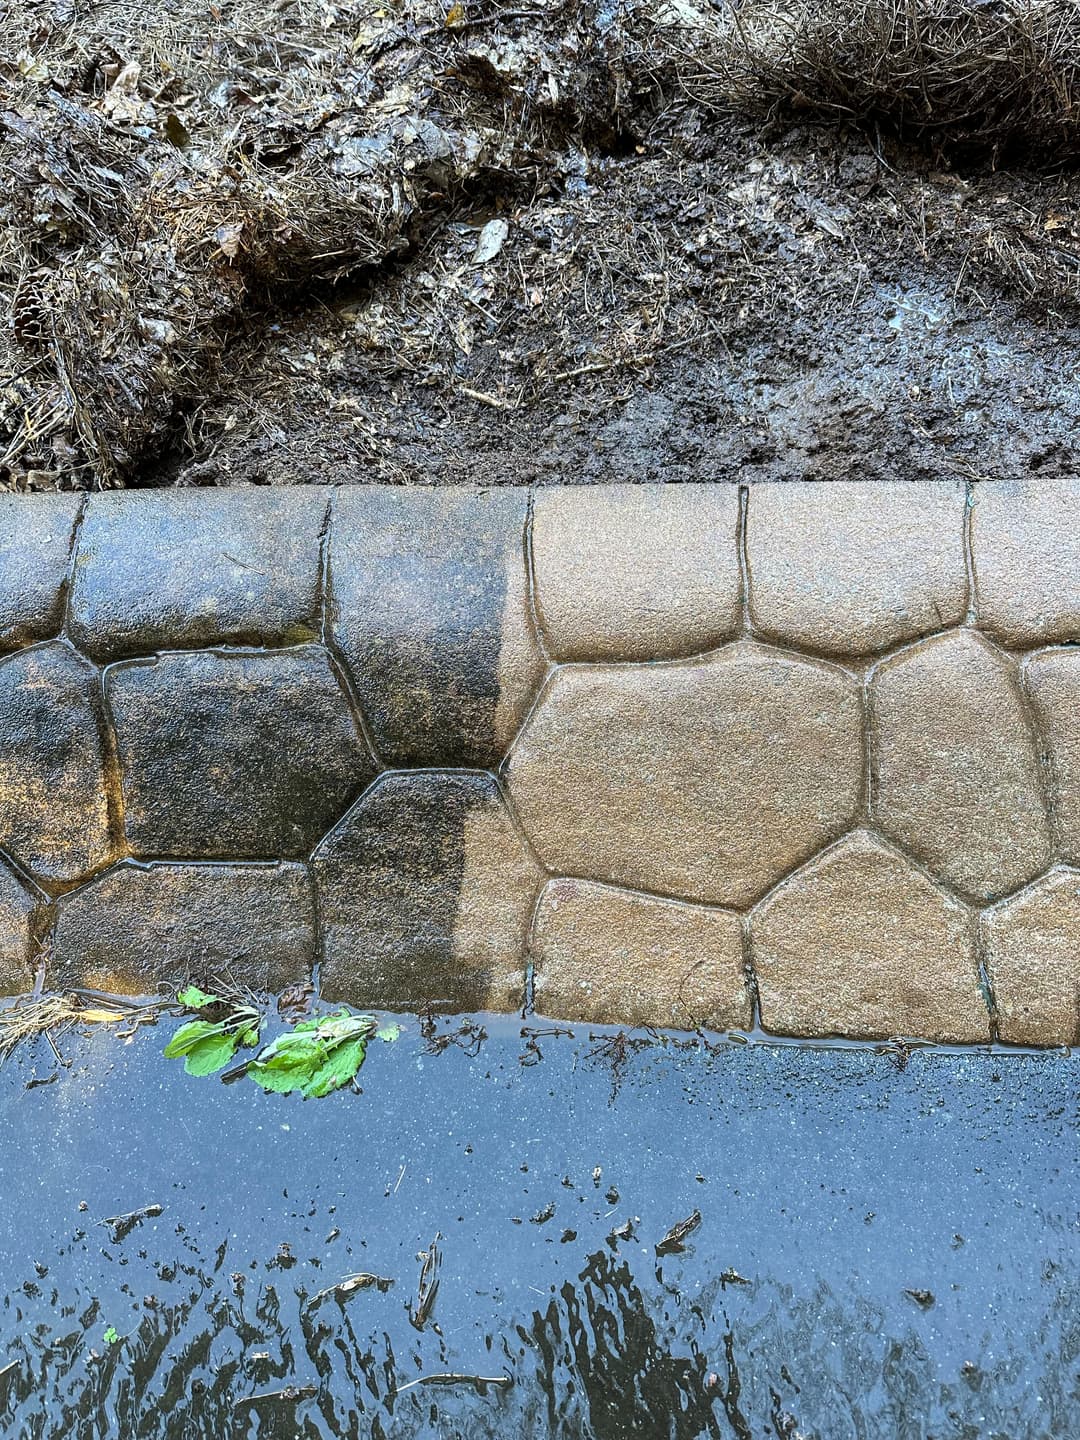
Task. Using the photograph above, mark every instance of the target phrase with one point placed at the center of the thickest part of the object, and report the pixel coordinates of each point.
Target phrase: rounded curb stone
(426, 890)
(138, 926)
(706, 781)
(1034, 962)
(601, 951)
(861, 943)
(629, 572)
(54, 809)
(234, 754)
(957, 778)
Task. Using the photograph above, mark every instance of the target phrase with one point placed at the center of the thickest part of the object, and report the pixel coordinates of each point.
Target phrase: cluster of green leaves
(316, 1056)
(209, 1044)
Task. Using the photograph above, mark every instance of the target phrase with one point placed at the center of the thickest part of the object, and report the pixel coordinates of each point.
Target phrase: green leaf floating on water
(207, 1046)
(316, 1057)
(193, 998)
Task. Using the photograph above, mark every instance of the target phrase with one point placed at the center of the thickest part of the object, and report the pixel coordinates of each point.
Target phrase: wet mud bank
(882, 1248)
(799, 756)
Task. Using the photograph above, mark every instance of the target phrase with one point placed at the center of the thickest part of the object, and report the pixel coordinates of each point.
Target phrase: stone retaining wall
(799, 755)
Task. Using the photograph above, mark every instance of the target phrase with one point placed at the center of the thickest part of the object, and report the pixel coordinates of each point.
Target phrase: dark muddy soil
(760, 310)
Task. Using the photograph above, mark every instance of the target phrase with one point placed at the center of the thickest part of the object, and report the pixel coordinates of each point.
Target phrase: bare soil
(650, 277)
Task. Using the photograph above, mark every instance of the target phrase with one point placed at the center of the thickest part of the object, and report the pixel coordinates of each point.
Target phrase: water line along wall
(804, 754)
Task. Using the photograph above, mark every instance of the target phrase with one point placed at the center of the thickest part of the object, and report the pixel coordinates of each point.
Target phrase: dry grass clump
(994, 75)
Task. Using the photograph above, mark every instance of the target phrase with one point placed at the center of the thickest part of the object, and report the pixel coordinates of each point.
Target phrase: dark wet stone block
(54, 814)
(35, 551)
(426, 891)
(234, 755)
(16, 936)
(430, 608)
(181, 569)
(140, 926)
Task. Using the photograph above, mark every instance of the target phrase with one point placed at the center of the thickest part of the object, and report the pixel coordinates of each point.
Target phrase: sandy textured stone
(430, 608)
(957, 769)
(35, 552)
(636, 572)
(1025, 543)
(1052, 679)
(54, 814)
(704, 780)
(140, 926)
(1033, 957)
(234, 755)
(852, 569)
(16, 936)
(616, 957)
(860, 943)
(426, 892)
(178, 569)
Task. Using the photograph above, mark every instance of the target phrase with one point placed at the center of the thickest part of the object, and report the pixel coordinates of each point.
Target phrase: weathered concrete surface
(178, 569)
(16, 936)
(1025, 545)
(853, 569)
(1033, 957)
(35, 554)
(226, 755)
(957, 779)
(600, 951)
(425, 890)
(429, 606)
(706, 781)
(136, 925)
(862, 943)
(842, 720)
(636, 573)
(54, 811)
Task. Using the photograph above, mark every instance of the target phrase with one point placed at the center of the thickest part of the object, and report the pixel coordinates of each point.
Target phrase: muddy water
(882, 1251)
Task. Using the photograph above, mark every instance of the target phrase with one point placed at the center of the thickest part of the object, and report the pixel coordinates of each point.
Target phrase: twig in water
(450, 1379)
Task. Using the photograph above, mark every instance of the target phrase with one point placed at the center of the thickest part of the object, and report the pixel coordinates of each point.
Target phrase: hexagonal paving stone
(429, 607)
(707, 781)
(852, 569)
(426, 890)
(615, 957)
(54, 813)
(1033, 956)
(636, 572)
(16, 936)
(234, 755)
(140, 926)
(1025, 543)
(957, 769)
(861, 943)
(178, 569)
(35, 553)
(1052, 679)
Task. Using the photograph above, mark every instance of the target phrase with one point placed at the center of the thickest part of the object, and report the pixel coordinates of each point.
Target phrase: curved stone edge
(1049, 595)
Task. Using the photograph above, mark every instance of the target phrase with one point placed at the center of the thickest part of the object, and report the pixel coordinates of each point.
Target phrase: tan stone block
(616, 957)
(852, 569)
(860, 943)
(957, 779)
(636, 572)
(1052, 679)
(1033, 956)
(16, 939)
(1025, 543)
(706, 780)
